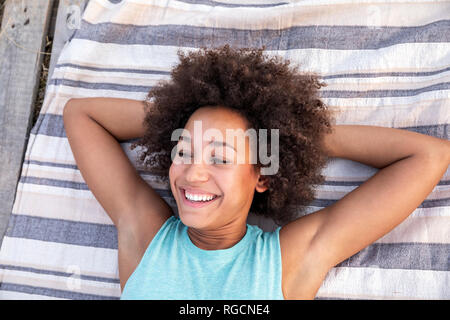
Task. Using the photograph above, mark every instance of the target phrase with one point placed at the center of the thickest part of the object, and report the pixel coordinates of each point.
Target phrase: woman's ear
(262, 184)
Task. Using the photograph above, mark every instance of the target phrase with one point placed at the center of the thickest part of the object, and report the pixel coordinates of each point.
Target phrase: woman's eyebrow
(214, 142)
(221, 144)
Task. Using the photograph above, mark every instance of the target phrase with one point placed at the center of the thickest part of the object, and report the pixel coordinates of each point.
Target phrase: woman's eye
(183, 154)
(219, 161)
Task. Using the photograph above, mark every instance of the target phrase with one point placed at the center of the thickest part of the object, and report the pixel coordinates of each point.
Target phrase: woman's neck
(217, 239)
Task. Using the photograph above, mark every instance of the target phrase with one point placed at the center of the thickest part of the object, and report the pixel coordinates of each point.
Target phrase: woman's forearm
(122, 118)
(380, 146)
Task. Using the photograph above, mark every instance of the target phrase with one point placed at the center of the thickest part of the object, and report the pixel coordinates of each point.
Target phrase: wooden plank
(67, 22)
(24, 28)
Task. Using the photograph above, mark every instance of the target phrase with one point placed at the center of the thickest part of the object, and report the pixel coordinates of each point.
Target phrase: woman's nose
(197, 172)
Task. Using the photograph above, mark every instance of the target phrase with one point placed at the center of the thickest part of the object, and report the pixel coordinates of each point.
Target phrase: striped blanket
(386, 63)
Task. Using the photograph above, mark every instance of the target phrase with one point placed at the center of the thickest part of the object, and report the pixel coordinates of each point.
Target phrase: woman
(209, 251)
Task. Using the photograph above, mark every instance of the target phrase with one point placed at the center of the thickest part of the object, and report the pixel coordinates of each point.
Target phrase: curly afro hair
(269, 95)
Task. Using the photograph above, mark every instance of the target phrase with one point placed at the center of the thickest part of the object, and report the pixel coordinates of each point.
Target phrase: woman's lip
(197, 191)
(195, 204)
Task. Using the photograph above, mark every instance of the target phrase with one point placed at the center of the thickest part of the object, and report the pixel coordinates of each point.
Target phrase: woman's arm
(93, 127)
(411, 165)
(122, 118)
(380, 146)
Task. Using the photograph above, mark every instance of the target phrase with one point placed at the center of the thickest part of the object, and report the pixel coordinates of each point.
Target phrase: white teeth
(195, 197)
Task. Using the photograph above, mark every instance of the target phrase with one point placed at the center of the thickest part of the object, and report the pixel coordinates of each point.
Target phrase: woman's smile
(197, 199)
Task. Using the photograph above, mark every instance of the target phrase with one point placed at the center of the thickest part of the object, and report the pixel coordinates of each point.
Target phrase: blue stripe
(77, 66)
(427, 203)
(334, 76)
(65, 294)
(229, 5)
(295, 37)
(99, 85)
(221, 4)
(417, 256)
(322, 93)
(51, 164)
(387, 74)
(63, 231)
(164, 193)
(383, 93)
(75, 167)
(358, 183)
(59, 273)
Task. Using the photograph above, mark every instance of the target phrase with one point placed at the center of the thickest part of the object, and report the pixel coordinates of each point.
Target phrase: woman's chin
(192, 219)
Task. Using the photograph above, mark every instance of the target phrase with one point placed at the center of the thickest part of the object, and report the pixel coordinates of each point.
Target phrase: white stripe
(296, 2)
(61, 207)
(92, 261)
(81, 195)
(374, 283)
(340, 169)
(73, 283)
(58, 150)
(72, 72)
(429, 229)
(13, 295)
(364, 13)
(82, 92)
(338, 192)
(396, 58)
(387, 82)
(59, 173)
(433, 111)
(134, 79)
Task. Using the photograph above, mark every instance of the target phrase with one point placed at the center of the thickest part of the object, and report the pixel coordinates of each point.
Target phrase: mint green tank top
(173, 268)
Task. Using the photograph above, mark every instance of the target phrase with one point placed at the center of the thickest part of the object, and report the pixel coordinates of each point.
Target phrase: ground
(1, 11)
(43, 73)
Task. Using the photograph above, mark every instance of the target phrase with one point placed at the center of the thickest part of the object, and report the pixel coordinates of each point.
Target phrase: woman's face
(210, 193)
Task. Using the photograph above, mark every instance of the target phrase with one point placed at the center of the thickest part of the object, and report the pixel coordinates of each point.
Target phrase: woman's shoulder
(264, 237)
(171, 224)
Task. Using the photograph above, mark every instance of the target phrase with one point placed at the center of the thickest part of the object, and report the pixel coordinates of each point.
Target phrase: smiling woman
(233, 184)
(209, 251)
(264, 94)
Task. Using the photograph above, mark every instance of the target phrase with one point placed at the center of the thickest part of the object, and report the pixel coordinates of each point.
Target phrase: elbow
(438, 151)
(438, 159)
(443, 152)
(70, 107)
(447, 151)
